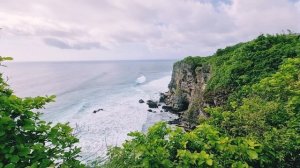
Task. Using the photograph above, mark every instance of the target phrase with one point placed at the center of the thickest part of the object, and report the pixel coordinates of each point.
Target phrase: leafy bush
(271, 114)
(247, 63)
(25, 140)
(164, 146)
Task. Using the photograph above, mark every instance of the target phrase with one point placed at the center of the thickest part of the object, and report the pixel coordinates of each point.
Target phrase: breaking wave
(141, 79)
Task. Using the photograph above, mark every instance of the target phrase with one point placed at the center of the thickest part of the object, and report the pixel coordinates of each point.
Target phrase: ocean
(82, 87)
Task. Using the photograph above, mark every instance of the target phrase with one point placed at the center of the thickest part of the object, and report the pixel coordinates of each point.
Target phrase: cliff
(200, 82)
(186, 90)
(250, 96)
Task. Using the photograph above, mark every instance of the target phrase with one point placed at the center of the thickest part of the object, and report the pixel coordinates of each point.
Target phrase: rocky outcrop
(162, 97)
(186, 91)
(152, 104)
(95, 111)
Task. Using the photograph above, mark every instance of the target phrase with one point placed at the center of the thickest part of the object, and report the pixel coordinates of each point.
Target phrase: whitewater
(83, 87)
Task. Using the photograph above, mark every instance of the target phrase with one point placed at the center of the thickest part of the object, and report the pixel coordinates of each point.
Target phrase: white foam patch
(156, 87)
(141, 79)
(109, 127)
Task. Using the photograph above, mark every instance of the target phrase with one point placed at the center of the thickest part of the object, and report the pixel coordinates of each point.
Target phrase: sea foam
(141, 79)
(121, 114)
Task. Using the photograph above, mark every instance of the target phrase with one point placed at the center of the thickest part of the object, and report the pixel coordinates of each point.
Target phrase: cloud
(65, 45)
(163, 27)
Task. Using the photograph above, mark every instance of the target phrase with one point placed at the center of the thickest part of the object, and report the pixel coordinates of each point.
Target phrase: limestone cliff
(199, 82)
(186, 91)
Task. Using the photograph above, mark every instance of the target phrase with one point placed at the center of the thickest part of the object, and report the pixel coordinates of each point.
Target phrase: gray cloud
(169, 28)
(64, 45)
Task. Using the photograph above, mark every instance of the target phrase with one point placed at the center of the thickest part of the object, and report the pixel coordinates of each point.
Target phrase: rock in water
(167, 108)
(162, 98)
(175, 121)
(141, 101)
(152, 104)
(95, 111)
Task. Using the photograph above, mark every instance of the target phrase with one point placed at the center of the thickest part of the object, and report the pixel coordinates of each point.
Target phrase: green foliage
(196, 61)
(271, 114)
(25, 140)
(244, 64)
(163, 146)
(247, 63)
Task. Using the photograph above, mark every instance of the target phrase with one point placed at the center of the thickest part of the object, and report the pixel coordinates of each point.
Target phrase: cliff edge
(201, 82)
(186, 90)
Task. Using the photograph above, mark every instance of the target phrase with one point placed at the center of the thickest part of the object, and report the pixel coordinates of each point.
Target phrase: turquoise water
(82, 87)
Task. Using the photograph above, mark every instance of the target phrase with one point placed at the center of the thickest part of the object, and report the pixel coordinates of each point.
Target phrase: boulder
(95, 111)
(175, 121)
(162, 98)
(167, 108)
(152, 104)
(141, 101)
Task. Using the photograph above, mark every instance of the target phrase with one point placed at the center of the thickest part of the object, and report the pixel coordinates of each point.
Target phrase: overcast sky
(57, 30)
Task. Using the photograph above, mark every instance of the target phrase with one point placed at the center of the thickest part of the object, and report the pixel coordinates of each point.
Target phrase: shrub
(25, 140)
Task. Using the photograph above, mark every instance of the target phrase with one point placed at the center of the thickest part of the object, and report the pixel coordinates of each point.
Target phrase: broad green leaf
(209, 162)
(252, 154)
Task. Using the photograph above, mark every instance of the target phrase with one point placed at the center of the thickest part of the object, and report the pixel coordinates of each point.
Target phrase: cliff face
(186, 91)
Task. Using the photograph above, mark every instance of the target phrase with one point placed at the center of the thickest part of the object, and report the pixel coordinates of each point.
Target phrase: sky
(83, 30)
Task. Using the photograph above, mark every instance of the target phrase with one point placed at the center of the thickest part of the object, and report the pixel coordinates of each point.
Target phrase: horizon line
(119, 60)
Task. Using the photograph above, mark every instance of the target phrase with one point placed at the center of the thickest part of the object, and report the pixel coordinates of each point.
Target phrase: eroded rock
(152, 104)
